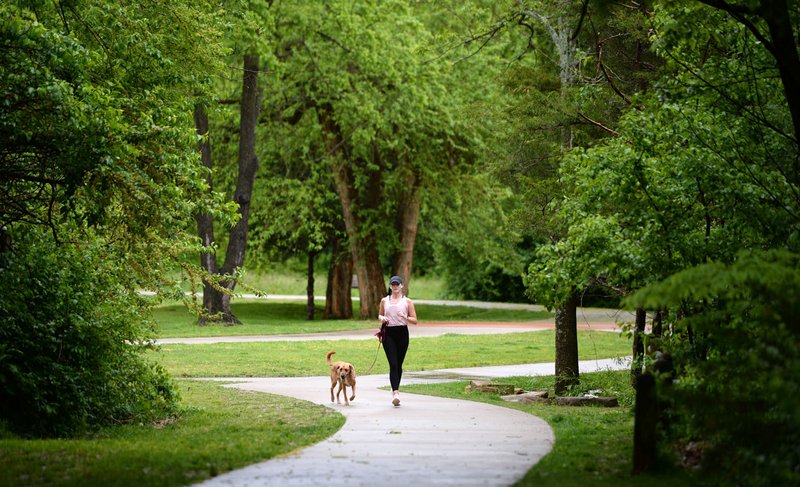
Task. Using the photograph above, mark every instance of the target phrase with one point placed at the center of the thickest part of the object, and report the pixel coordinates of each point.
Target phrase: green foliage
(95, 93)
(405, 116)
(735, 342)
(99, 151)
(569, 91)
(702, 171)
(472, 241)
(702, 175)
(306, 358)
(71, 343)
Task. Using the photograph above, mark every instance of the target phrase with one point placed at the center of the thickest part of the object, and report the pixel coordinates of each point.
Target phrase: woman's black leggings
(395, 344)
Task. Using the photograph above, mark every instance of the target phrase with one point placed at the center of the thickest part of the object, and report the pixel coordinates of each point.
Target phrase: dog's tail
(328, 357)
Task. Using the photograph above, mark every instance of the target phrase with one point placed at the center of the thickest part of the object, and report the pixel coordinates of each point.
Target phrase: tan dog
(344, 374)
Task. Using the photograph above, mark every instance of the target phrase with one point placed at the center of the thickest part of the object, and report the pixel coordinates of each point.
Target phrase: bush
(71, 343)
(735, 344)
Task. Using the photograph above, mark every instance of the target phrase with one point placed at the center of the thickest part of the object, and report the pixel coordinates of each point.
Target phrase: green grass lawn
(294, 283)
(219, 430)
(259, 317)
(287, 359)
(593, 445)
(222, 429)
(290, 279)
(263, 317)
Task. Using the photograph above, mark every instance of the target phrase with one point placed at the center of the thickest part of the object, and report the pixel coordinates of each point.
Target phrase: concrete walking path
(426, 441)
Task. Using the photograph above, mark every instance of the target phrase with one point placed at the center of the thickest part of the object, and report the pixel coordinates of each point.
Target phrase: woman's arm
(381, 318)
(412, 313)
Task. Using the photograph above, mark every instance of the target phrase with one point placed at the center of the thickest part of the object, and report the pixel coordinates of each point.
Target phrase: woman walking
(396, 311)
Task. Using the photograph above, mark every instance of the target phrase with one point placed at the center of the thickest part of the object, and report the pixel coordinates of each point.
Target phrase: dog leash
(381, 333)
(374, 360)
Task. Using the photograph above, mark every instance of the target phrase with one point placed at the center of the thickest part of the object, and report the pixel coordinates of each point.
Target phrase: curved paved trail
(426, 441)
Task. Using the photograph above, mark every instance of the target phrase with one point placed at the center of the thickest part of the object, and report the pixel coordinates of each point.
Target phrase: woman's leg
(395, 345)
(402, 348)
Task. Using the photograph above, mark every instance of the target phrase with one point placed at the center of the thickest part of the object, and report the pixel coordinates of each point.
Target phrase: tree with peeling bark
(568, 93)
(696, 202)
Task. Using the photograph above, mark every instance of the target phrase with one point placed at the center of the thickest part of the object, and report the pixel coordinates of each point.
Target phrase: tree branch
(598, 47)
(598, 124)
(487, 36)
(584, 9)
(738, 12)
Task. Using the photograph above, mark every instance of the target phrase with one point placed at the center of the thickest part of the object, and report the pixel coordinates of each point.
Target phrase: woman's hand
(409, 318)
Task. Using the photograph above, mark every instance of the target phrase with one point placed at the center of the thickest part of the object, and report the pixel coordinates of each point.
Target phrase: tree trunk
(658, 323)
(338, 296)
(776, 14)
(638, 347)
(780, 43)
(310, 287)
(205, 222)
(371, 285)
(5, 240)
(248, 165)
(363, 247)
(644, 425)
(567, 373)
(407, 229)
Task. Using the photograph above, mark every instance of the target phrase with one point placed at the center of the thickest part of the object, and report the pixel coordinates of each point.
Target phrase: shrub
(71, 343)
(735, 344)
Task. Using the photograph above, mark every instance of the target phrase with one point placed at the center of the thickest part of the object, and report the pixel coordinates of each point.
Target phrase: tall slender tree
(250, 38)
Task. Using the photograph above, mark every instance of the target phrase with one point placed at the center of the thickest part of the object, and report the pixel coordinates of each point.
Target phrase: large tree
(99, 175)
(573, 82)
(697, 200)
(365, 103)
(221, 281)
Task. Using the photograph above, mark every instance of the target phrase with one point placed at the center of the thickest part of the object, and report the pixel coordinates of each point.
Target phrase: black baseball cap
(395, 279)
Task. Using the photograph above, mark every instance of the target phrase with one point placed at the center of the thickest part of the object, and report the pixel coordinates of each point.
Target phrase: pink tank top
(397, 313)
